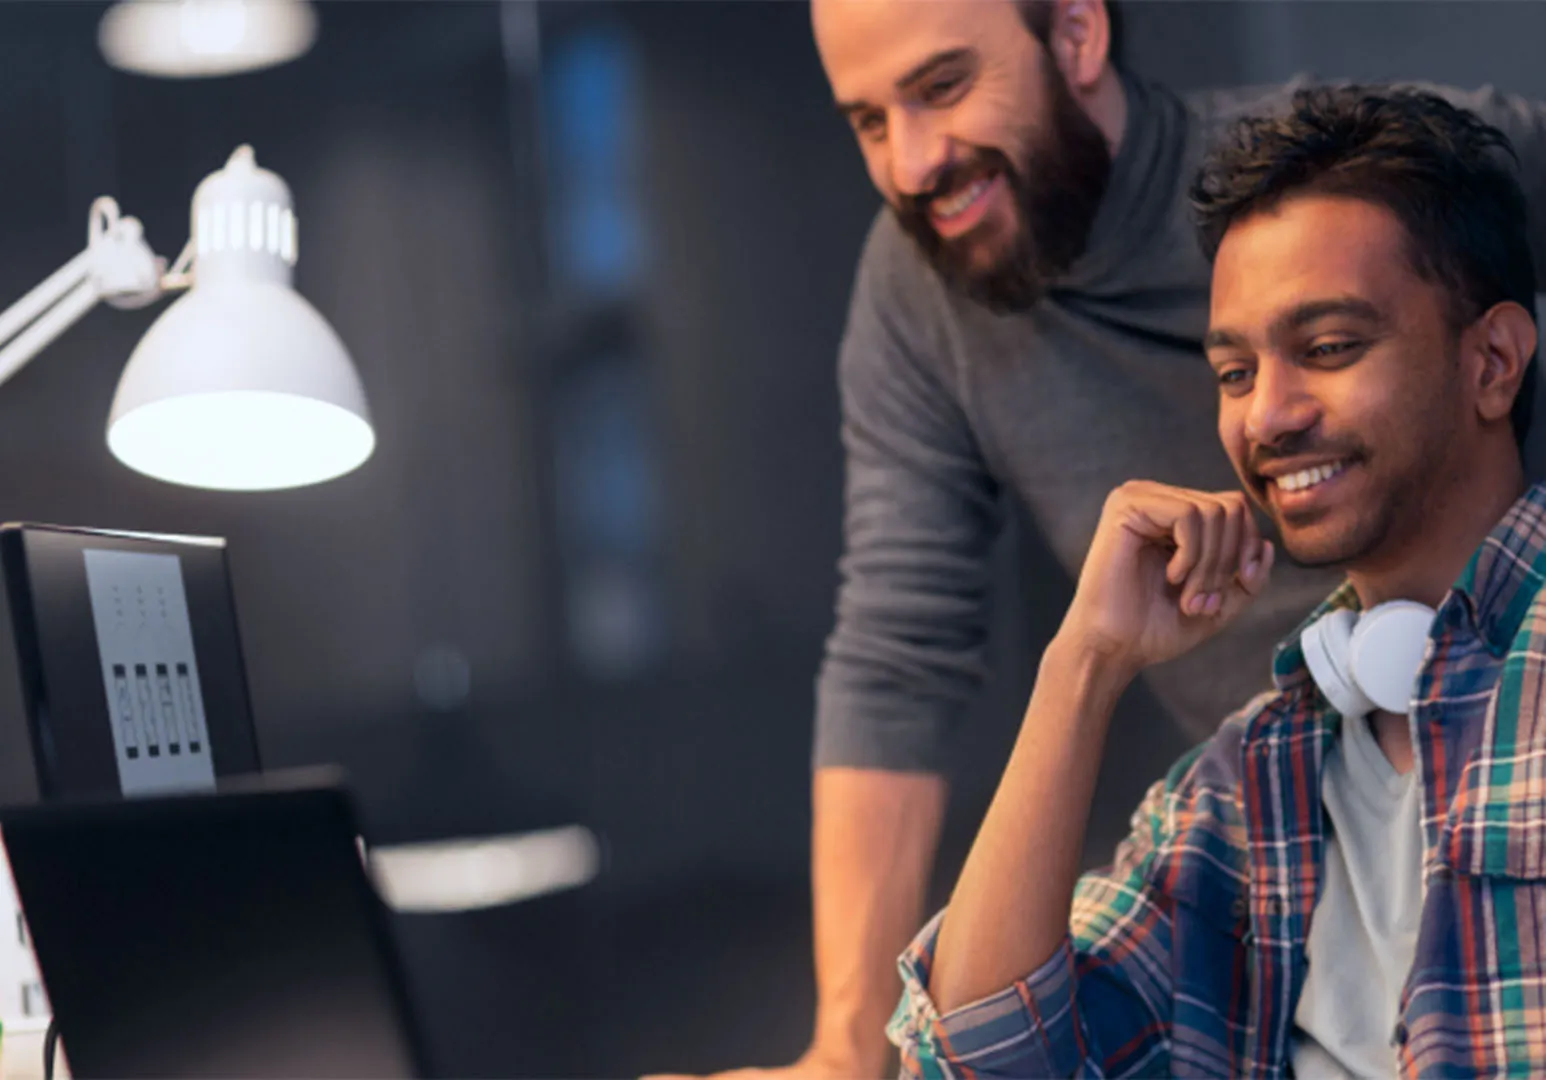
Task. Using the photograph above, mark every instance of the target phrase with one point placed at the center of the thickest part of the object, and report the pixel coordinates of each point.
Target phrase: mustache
(1302, 444)
(952, 178)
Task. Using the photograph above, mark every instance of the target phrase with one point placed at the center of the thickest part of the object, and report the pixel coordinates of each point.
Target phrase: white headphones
(1369, 661)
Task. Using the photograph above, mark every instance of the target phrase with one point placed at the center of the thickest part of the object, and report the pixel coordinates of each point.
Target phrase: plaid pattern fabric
(1187, 955)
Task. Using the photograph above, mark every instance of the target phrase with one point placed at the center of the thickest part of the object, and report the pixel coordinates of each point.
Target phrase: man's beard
(1067, 168)
(1404, 500)
(1362, 534)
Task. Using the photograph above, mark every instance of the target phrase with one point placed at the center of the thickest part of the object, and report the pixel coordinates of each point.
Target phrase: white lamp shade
(240, 386)
(200, 38)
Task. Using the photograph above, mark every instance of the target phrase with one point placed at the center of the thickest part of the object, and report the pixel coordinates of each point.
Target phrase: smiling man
(1349, 878)
(1000, 198)
(1025, 333)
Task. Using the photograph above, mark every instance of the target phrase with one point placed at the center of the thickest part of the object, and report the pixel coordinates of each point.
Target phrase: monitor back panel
(215, 935)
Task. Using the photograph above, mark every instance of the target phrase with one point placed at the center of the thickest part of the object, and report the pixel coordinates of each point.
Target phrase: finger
(1198, 595)
(1245, 591)
(1227, 564)
(1185, 529)
(1247, 575)
(1192, 526)
(1250, 540)
(1253, 579)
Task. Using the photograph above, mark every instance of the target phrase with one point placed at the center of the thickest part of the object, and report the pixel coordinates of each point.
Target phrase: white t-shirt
(1363, 932)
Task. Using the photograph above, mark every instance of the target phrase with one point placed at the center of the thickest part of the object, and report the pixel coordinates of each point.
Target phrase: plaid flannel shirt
(1187, 955)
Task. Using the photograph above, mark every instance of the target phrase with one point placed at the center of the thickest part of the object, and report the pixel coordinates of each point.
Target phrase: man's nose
(919, 153)
(1281, 405)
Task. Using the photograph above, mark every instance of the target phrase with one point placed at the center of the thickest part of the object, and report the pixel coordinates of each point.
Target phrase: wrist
(846, 1060)
(851, 1045)
(1089, 661)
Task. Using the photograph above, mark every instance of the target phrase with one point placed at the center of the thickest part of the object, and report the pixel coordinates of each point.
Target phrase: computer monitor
(129, 665)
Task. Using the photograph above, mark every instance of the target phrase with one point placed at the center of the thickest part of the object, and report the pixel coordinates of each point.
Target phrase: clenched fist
(1168, 568)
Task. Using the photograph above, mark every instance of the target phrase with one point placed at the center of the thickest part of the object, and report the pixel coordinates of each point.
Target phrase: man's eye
(870, 125)
(1331, 348)
(1234, 380)
(940, 89)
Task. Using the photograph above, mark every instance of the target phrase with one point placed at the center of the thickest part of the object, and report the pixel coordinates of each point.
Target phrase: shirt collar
(1507, 570)
(1288, 667)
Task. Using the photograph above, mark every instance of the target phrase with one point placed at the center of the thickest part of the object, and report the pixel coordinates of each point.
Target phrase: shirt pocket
(1496, 824)
(1474, 991)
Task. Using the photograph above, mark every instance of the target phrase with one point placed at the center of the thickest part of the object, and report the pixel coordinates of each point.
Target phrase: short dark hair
(1444, 173)
(1037, 17)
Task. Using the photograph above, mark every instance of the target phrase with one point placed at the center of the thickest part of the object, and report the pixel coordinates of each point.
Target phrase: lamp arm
(117, 266)
(53, 322)
(45, 295)
(180, 275)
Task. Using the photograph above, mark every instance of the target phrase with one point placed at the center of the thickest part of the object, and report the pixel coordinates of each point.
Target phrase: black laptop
(214, 934)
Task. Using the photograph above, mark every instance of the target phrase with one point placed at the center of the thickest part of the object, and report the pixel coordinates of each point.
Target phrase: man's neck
(1106, 104)
(1425, 566)
(1393, 734)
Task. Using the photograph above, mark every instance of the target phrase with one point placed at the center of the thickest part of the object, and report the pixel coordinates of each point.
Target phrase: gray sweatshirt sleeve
(921, 516)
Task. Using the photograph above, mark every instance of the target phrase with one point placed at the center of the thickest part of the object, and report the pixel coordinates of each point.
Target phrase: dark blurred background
(592, 261)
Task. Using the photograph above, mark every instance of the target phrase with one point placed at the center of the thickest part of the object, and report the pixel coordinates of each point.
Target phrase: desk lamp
(240, 384)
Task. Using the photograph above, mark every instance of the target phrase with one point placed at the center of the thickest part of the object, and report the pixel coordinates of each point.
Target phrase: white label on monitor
(145, 641)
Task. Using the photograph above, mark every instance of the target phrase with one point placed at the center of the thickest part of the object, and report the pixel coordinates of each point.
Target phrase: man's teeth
(950, 207)
(1306, 478)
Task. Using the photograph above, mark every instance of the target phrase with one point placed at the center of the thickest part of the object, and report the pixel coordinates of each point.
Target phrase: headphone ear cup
(1387, 650)
(1327, 645)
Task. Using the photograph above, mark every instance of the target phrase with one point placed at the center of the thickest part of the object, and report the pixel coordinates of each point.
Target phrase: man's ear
(1080, 41)
(1504, 340)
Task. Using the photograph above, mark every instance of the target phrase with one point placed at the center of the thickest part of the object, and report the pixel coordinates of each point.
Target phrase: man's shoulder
(891, 265)
(900, 307)
(1527, 650)
(1216, 108)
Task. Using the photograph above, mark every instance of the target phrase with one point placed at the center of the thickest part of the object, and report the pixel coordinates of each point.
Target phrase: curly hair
(1449, 178)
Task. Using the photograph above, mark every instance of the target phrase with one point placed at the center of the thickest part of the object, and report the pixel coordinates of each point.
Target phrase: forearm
(874, 837)
(1009, 912)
